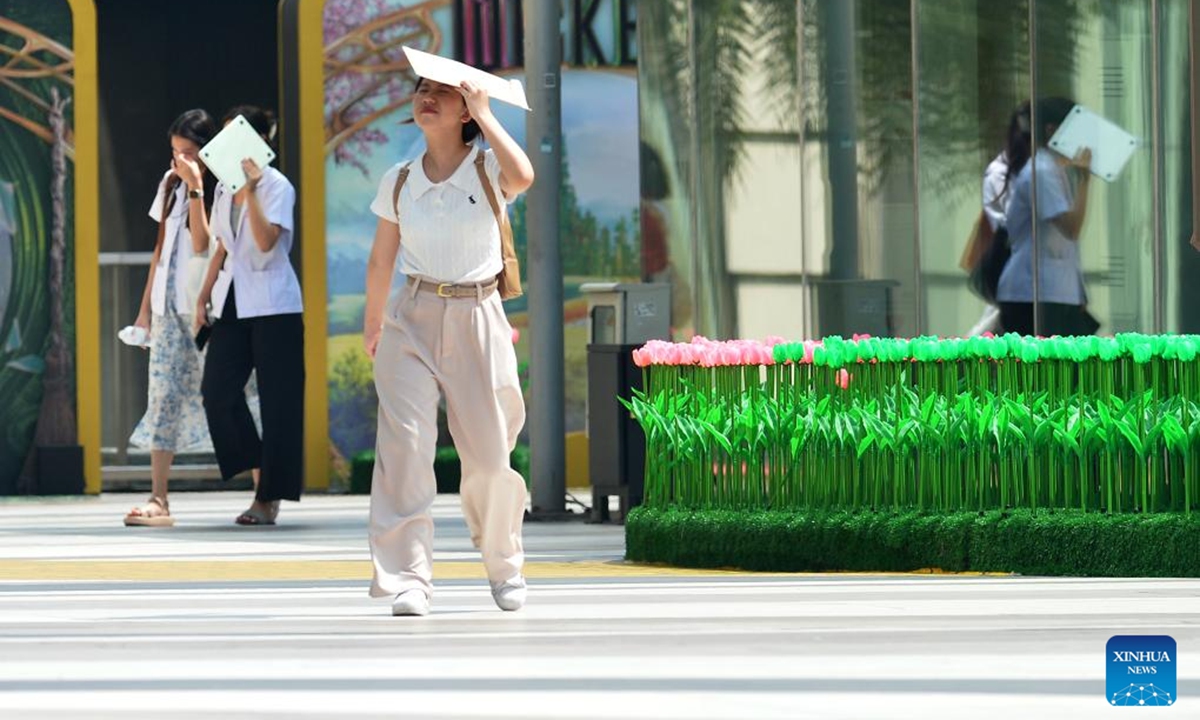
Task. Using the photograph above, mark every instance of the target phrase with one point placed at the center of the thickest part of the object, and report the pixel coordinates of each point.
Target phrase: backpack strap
(400, 178)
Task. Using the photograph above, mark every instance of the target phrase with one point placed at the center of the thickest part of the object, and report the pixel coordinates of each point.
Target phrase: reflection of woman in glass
(1061, 207)
(657, 265)
(991, 228)
(174, 417)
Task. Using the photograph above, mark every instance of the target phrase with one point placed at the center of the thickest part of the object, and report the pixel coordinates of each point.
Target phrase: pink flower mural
(366, 74)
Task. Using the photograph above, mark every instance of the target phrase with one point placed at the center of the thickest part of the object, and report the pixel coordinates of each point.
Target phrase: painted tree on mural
(366, 74)
(36, 327)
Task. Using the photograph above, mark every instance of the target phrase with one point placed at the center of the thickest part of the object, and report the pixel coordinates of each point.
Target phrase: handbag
(985, 276)
(978, 242)
(508, 280)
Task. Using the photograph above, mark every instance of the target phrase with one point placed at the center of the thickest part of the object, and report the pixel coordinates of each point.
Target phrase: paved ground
(209, 620)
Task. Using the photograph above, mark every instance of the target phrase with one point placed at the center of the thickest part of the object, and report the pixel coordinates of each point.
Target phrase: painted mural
(37, 333)
(368, 87)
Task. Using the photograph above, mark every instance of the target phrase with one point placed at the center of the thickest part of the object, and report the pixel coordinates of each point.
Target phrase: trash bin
(627, 313)
(847, 307)
(616, 444)
(621, 318)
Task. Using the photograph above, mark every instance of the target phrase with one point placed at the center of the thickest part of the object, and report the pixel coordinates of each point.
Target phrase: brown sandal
(155, 513)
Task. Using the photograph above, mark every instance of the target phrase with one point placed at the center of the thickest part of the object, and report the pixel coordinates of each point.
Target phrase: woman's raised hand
(1082, 159)
(476, 98)
(253, 173)
(188, 171)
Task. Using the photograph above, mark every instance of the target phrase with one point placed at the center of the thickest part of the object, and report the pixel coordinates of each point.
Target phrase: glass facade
(815, 167)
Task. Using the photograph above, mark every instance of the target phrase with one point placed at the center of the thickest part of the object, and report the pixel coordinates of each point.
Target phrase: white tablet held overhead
(452, 72)
(225, 152)
(1111, 146)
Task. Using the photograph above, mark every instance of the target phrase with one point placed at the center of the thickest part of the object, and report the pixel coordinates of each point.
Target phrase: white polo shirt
(447, 230)
(995, 194)
(177, 239)
(264, 283)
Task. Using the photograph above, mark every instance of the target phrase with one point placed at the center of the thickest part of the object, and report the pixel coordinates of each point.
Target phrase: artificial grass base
(1058, 542)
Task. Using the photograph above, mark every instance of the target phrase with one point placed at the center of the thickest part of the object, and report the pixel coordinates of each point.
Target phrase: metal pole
(915, 42)
(543, 135)
(841, 129)
(700, 314)
(1194, 101)
(807, 320)
(1156, 157)
(1035, 134)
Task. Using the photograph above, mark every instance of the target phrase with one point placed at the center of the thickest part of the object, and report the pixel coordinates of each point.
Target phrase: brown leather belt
(450, 290)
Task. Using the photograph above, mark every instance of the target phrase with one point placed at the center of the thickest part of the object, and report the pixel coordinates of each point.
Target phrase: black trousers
(1053, 319)
(272, 346)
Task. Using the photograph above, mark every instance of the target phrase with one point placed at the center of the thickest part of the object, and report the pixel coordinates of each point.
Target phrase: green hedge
(447, 468)
(1028, 542)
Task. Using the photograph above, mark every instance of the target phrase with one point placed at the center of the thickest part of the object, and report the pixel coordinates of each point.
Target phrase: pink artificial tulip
(809, 347)
(843, 379)
(516, 336)
(711, 353)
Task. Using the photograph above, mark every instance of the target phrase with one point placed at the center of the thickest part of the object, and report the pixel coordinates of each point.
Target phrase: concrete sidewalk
(208, 619)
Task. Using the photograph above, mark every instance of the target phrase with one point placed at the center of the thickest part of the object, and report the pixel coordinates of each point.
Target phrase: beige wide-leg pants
(464, 347)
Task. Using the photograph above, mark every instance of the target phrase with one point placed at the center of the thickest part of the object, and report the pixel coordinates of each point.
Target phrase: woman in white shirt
(174, 416)
(251, 296)
(1061, 299)
(445, 330)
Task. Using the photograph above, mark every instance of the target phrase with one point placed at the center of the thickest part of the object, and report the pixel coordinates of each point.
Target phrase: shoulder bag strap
(487, 188)
(400, 178)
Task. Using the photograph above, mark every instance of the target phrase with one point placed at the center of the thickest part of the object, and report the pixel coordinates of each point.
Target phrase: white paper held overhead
(1111, 146)
(452, 72)
(225, 152)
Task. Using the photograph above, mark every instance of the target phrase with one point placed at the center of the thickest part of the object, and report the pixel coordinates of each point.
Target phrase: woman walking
(252, 298)
(445, 330)
(174, 417)
(1061, 298)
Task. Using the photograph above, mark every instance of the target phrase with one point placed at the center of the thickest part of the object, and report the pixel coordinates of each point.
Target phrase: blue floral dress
(174, 419)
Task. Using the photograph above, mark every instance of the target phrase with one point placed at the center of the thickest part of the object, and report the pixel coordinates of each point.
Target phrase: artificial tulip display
(1089, 423)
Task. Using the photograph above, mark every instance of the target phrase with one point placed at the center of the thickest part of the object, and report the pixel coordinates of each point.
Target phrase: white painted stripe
(429, 632)
(1025, 666)
(970, 592)
(605, 611)
(566, 705)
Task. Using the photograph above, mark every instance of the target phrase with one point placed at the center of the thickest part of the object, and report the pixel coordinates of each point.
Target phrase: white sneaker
(411, 602)
(510, 595)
